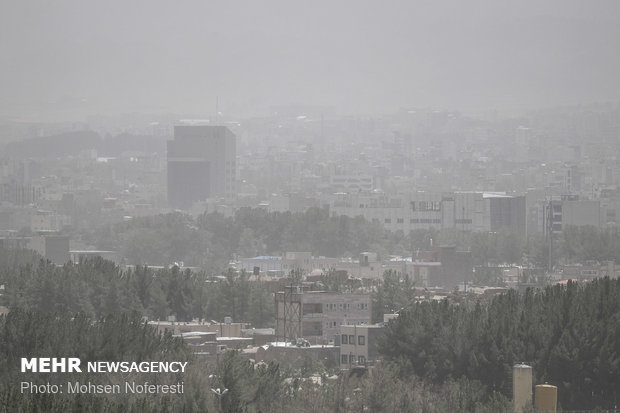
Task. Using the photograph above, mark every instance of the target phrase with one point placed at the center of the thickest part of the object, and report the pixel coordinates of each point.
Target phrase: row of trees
(98, 287)
(122, 337)
(273, 388)
(568, 334)
(243, 386)
(211, 240)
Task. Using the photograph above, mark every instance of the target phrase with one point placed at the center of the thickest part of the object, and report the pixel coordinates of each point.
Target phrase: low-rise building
(295, 355)
(286, 263)
(318, 315)
(225, 329)
(358, 345)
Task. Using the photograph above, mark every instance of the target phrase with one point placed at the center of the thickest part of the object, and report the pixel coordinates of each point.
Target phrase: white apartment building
(467, 211)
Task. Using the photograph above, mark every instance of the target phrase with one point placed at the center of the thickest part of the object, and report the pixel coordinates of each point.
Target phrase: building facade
(558, 214)
(358, 345)
(286, 263)
(466, 211)
(201, 164)
(318, 315)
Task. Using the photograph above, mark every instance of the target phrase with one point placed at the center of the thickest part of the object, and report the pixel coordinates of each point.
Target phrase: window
(400, 220)
(361, 340)
(344, 359)
(361, 360)
(463, 221)
(430, 206)
(351, 359)
(344, 340)
(388, 221)
(351, 339)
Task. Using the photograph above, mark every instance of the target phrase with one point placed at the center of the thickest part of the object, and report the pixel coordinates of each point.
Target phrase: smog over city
(346, 206)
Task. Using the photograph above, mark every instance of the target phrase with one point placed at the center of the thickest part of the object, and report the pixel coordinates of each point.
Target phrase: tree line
(211, 240)
(98, 287)
(458, 357)
(569, 334)
(120, 337)
(243, 386)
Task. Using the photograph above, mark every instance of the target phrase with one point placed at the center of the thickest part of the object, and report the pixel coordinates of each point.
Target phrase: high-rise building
(201, 164)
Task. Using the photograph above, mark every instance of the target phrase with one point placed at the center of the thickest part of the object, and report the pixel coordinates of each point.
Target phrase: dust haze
(68, 59)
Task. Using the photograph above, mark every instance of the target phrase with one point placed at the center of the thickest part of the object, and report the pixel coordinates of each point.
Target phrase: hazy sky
(76, 58)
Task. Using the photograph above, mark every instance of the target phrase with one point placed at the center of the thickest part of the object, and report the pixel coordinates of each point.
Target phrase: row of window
(332, 324)
(350, 339)
(351, 359)
(335, 307)
(425, 206)
(415, 221)
(344, 306)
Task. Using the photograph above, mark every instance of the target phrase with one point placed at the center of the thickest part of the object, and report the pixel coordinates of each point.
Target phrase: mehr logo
(51, 365)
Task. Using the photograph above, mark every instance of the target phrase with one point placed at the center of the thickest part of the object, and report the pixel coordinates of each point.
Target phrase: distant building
(352, 183)
(466, 211)
(201, 164)
(284, 264)
(50, 246)
(443, 266)
(53, 247)
(569, 211)
(80, 255)
(318, 315)
(48, 221)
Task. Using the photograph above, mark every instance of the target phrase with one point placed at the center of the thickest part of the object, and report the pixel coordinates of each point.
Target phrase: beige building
(358, 345)
(318, 315)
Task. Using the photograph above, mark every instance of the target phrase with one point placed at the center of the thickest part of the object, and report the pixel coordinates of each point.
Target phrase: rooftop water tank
(521, 386)
(546, 398)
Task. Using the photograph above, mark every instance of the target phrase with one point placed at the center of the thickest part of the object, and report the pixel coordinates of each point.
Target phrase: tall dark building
(507, 214)
(201, 164)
